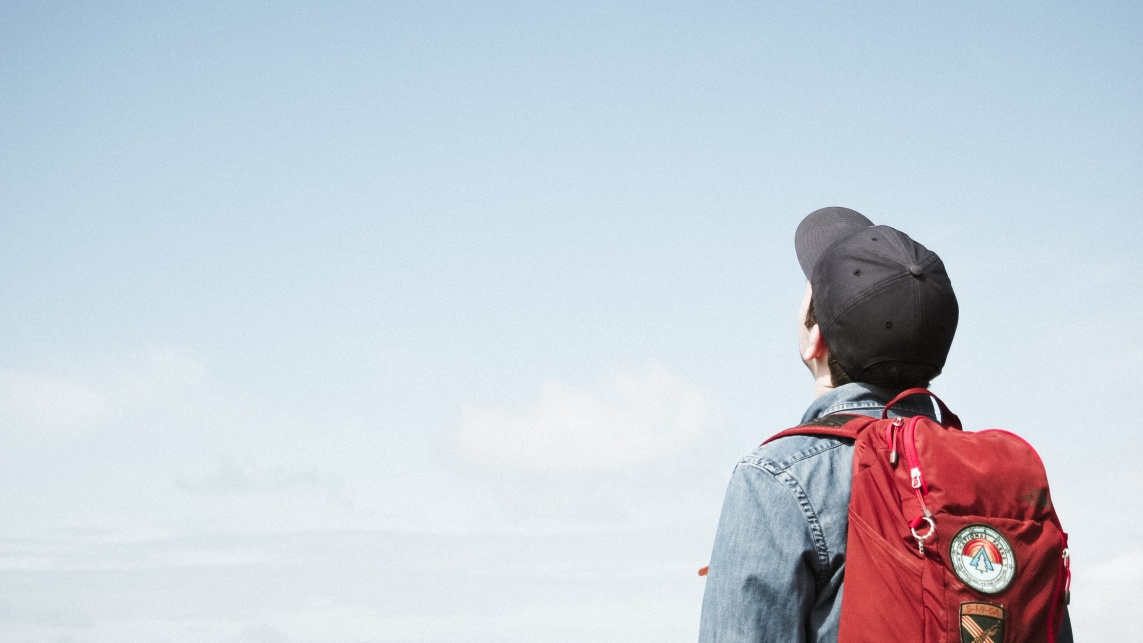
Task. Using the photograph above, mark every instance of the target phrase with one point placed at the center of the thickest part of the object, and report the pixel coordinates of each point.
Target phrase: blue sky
(369, 322)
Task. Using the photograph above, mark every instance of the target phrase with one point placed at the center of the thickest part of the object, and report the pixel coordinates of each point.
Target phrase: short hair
(894, 375)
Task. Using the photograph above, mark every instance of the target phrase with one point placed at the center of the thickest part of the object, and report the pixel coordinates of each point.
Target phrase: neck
(822, 385)
(819, 368)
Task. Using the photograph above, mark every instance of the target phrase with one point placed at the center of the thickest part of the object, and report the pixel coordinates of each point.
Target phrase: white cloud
(159, 377)
(167, 380)
(232, 477)
(633, 419)
(335, 586)
(35, 403)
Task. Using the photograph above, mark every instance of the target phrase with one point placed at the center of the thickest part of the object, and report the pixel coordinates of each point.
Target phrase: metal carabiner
(928, 534)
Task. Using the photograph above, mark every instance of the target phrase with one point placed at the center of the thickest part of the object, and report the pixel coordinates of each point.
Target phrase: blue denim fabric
(779, 554)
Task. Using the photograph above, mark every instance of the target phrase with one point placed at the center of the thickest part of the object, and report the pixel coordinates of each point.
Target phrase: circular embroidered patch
(983, 559)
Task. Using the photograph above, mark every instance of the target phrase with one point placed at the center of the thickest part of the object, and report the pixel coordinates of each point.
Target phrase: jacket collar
(866, 399)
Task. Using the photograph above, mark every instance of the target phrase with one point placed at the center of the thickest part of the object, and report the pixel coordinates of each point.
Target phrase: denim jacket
(779, 555)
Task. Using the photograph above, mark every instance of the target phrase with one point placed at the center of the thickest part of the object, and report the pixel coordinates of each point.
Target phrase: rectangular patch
(981, 623)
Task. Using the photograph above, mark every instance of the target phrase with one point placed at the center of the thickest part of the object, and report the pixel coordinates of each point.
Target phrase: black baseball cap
(878, 295)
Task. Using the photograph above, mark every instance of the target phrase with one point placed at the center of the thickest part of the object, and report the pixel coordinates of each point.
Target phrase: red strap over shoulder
(839, 425)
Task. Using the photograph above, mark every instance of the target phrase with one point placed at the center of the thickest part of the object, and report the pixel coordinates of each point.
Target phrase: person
(878, 316)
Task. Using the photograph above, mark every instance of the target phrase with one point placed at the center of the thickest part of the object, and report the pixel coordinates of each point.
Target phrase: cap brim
(821, 229)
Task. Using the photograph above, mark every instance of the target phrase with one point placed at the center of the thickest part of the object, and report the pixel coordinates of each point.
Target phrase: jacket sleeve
(761, 585)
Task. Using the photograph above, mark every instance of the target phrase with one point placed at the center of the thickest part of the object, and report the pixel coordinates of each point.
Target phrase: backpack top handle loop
(948, 418)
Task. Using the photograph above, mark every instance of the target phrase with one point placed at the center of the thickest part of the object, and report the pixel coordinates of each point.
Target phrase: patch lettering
(981, 623)
(982, 559)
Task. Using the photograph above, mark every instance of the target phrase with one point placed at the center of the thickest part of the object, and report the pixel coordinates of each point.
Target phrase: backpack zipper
(916, 478)
(912, 460)
(917, 482)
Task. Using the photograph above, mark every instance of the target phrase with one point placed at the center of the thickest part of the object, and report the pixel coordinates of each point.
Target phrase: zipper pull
(1068, 578)
(916, 478)
(893, 432)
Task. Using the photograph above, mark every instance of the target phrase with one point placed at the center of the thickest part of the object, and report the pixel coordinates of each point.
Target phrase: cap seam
(856, 299)
(859, 297)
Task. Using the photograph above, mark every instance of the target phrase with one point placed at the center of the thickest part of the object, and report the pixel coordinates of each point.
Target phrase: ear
(815, 345)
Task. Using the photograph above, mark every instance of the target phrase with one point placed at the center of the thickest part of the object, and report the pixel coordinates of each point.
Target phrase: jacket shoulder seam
(813, 523)
(774, 466)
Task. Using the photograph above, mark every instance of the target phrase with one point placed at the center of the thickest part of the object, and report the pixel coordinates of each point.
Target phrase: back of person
(952, 534)
(777, 567)
(879, 315)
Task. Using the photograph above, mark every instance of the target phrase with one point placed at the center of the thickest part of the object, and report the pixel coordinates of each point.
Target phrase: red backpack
(952, 534)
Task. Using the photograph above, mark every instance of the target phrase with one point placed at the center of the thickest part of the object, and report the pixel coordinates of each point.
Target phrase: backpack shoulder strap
(837, 425)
